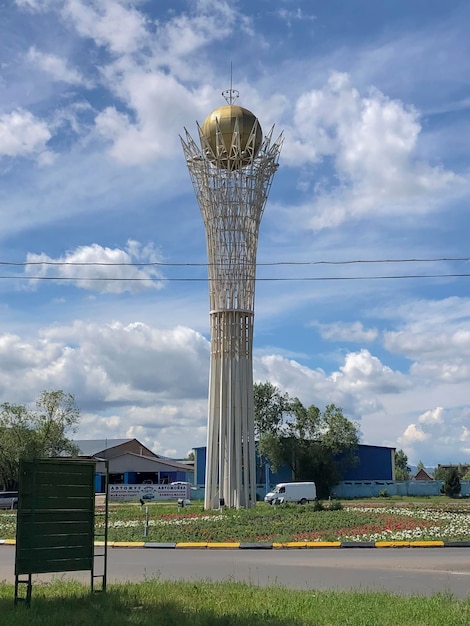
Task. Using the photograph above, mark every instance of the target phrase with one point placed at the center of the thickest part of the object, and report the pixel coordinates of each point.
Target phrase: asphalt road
(404, 571)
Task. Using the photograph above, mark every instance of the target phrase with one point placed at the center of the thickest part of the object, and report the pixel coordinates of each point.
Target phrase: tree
(440, 473)
(402, 471)
(270, 408)
(316, 445)
(28, 434)
(452, 484)
(17, 440)
(420, 466)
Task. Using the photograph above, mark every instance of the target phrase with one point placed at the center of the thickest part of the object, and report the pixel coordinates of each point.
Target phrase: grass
(224, 604)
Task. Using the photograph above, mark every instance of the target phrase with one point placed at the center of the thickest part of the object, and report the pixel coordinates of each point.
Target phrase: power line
(262, 264)
(203, 280)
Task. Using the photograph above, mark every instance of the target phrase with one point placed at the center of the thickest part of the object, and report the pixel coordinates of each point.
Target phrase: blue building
(132, 463)
(375, 463)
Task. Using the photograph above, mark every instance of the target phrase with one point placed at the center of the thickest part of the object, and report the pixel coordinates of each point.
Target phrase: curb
(289, 545)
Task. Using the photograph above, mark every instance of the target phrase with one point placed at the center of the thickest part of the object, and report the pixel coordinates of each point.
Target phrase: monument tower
(231, 174)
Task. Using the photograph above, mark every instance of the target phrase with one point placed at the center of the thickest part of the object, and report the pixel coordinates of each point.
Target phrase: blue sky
(374, 101)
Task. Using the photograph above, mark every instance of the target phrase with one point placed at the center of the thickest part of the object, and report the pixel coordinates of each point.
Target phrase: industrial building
(132, 463)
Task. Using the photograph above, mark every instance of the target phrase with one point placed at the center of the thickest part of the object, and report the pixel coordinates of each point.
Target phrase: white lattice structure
(231, 175)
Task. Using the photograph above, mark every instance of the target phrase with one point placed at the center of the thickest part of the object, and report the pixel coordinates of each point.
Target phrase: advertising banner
(148, 493)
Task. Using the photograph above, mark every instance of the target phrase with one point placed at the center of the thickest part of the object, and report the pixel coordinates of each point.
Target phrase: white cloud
(109, 23)
(137, 378)
(372, 142)
(465, 436)
(353, 332)
(107, 270)
(434, 416)
(124, 377)
(411, 435)
(23, 135)
(365, 373)
(291, 15)
(433, 327)
(56, 66)
(108, 365)
(186, 34)
(35, 5)
(436, 335)
(155, 93)
(451, 370)
(441, 435)
(161, 106)
(358, 386)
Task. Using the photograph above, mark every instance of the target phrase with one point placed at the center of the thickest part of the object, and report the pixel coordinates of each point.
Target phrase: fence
(350, 489)
(374, 488)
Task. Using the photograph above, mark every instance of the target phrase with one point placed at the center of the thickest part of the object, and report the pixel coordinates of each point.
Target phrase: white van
(292, 492)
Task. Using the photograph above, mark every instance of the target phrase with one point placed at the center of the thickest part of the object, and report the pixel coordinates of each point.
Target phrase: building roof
(109, 448)
(91, 447)
(160, 460)
(422, 474)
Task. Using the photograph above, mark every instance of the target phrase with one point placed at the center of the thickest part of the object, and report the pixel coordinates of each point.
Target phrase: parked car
(148, 496)
(292, 492)
(8, 499)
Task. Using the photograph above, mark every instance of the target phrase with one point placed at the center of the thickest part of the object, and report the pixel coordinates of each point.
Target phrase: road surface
(405, 571)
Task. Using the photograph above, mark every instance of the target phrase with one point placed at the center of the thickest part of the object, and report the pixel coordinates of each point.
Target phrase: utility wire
(267, 264)
(206, 279)
(203, 280)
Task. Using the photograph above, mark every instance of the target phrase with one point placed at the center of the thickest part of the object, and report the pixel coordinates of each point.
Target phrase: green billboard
(56, 514)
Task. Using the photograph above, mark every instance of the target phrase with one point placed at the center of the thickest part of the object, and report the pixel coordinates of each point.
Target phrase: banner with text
(148, 493)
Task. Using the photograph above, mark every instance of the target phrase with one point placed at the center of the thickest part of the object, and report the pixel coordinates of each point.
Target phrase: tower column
(231, 175)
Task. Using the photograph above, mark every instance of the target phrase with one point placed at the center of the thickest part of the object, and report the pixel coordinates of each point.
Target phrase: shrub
(318, 506)
(452, 484)
(383, 493)
(335, 505)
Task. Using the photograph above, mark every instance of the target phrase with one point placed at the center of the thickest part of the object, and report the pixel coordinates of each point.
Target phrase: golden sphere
(225, 118)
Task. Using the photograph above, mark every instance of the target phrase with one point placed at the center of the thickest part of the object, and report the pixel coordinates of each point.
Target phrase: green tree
(324, 445)
(420, 466)
(452, 484)
(316, 445)
(42, 432)
(402, 471)
(17, 440)
(270, 408)
(439, 473)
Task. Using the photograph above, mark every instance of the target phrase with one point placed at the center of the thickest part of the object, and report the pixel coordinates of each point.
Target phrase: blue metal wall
(375, 463)
(283, 474)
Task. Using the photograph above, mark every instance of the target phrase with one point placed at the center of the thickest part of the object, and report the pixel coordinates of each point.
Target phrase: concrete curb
(289, 545)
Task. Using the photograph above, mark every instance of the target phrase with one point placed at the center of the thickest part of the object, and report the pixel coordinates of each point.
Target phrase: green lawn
(224, 604)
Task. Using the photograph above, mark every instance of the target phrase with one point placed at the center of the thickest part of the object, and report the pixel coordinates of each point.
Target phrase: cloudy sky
(364, 237)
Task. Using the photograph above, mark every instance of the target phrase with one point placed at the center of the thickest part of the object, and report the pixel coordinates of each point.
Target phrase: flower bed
(402, 522)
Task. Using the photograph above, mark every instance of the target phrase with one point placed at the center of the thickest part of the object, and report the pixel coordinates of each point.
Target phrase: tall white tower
(231, 174)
